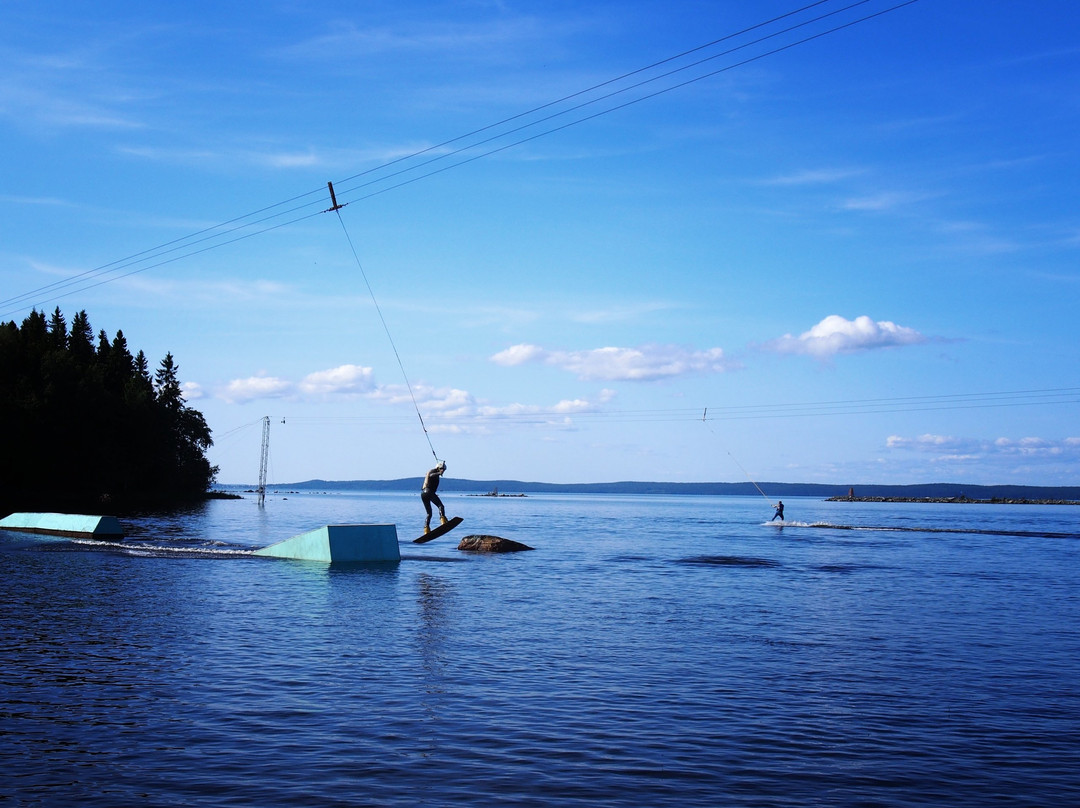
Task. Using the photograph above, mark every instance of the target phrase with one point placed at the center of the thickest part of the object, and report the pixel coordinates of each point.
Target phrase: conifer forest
(88, 426)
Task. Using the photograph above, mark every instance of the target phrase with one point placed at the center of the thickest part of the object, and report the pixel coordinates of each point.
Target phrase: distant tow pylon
(265, 455)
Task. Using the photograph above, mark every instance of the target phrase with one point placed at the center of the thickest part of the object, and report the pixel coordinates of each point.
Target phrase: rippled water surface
(667, 651)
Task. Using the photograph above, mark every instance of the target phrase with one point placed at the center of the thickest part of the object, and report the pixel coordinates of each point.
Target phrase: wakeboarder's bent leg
(425, 498)
(442, 510)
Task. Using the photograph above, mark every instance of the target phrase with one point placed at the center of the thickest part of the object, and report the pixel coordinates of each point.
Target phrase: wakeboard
(435, 532)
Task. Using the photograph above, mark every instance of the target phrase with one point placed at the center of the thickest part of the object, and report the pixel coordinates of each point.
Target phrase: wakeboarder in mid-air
(428, 495)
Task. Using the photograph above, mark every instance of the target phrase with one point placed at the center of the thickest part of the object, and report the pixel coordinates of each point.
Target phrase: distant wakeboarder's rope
(729, 454)
(386, 328)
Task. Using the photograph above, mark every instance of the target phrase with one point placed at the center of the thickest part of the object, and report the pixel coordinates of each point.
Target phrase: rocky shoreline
(494, 492)
(959, 500)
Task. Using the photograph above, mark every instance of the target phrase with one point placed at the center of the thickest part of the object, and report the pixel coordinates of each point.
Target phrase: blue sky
(856, 256)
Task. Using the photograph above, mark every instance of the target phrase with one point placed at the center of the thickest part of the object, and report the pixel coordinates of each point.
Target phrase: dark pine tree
(188, 436)
(87, 426)
(81, 338)
(58, 330)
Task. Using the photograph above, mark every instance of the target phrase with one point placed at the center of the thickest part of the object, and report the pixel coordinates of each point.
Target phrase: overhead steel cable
(386, 328)
(814, 409)
(216, 234)
(104, 281)
(579, 93)
(156, 252)
(192, 238)
(601, 98)
(607, 111)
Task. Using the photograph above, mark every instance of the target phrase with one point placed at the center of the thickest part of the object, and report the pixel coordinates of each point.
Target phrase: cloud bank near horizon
(947, 448)
(436, 402)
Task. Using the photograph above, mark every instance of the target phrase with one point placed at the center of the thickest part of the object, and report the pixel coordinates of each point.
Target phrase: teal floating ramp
(75, 525)
(339, 543)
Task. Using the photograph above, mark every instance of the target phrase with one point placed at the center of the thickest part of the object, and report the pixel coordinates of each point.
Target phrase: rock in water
(491, 544)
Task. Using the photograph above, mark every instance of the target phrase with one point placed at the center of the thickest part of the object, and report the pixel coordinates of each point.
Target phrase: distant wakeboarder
(779, 512)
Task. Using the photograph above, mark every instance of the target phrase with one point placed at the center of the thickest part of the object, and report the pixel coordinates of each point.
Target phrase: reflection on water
(433, 599)
(435, 604)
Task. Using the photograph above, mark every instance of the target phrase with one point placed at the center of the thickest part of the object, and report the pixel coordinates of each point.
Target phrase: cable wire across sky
(806, 409)
(759, 41)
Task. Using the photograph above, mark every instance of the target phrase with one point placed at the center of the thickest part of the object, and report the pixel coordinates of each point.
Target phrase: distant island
(922, 492)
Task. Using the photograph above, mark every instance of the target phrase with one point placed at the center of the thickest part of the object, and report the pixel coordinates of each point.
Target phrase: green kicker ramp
(64, 524)
(339, 543)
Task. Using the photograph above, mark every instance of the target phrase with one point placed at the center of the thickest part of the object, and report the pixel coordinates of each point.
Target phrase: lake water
(651, 651)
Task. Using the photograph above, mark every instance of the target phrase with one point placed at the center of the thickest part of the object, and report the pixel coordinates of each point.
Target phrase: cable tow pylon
(336, 208)
(264, 456)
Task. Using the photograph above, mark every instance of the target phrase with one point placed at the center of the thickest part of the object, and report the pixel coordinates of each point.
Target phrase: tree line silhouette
(87, 426)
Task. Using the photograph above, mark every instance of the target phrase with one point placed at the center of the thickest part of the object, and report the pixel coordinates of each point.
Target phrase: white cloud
(444, 409)
(350, 42)
(924, 442)
(518, 355)
(445, 401)
(61, 108)
(73, 89)
(231, 153)
(619, 313)
(947, 448)
(836, 334)
(442, 401)
(35, 200)
(305, 159)
(342, 379)
(449, 409)
(187, 156)
(240, 391)
(558, 416)
(646, 363)
(191, 391)
(202, 291)
(883, 201)
(814, 177)
(1034, 446)
(505, 318)
(564, 407)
